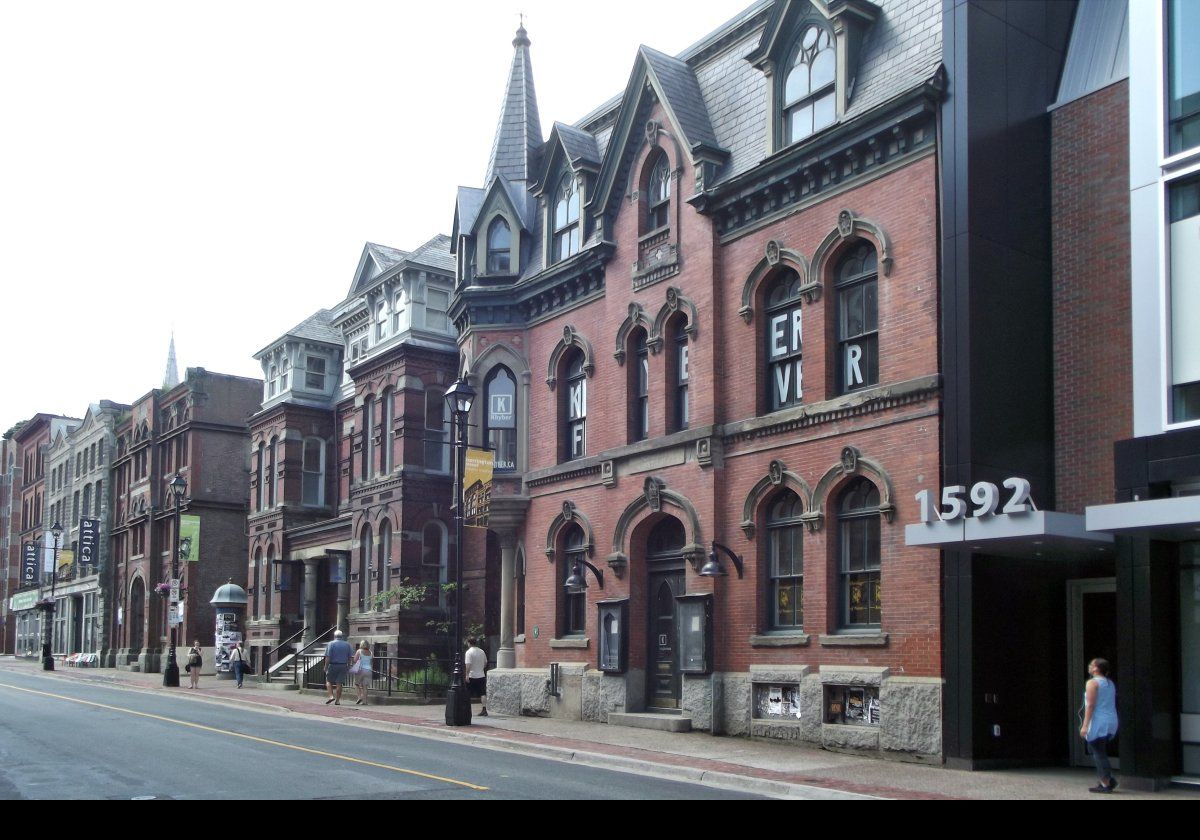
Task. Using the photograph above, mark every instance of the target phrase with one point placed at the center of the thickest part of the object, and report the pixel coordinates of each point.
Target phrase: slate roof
(435, 253)
(683, 97)
(384, 256)
(578, 144)
(466, 208)
(316, 327)
(522, 200)
(519, 132)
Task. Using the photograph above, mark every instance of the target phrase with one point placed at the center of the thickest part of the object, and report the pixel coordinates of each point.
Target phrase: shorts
(336, 674)
(477, 686)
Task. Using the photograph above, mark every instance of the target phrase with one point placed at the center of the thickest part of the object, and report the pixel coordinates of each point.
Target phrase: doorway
(665, 583)
(1092, 629)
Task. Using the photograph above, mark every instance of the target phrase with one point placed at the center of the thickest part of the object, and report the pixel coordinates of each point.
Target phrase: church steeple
(171, 375)
(519, 134)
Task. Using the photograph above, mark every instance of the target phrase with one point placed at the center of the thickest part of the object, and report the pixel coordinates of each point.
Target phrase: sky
(213, 170)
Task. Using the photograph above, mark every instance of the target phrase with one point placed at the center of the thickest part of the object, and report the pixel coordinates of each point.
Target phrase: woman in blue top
(1100, 722)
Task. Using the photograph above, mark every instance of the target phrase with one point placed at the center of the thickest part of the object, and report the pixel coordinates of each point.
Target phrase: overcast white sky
(217, 167)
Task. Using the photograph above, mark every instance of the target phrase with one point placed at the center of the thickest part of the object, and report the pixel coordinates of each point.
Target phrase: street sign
(173, 615)
(175, 591)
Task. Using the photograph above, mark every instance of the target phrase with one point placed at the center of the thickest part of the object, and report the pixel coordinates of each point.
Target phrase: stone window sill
(856, 640)
(569, 644)
(781, 640)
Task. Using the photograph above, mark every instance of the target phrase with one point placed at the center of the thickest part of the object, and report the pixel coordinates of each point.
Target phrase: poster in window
(856, 702)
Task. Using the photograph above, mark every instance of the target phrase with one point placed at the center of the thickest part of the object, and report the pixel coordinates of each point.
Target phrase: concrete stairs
(659, 721)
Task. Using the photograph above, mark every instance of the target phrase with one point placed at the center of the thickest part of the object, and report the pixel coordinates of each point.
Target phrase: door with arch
(665, 583)
(137, 616)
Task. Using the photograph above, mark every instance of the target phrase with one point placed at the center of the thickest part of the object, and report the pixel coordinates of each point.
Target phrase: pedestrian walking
(476, 665)
(337, 664)
(360, 670)
(1100, 722)
(194, 662)
(237, 661)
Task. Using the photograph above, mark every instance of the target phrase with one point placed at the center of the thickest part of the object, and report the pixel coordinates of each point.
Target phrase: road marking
(281, 744)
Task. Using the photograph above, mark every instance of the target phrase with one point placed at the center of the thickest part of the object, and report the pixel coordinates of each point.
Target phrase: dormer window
(809, 98)
(272, 377)
(314, 377)
(658, 191)
(398, 312)
(381, 321)
(566, 220)
(499, 247)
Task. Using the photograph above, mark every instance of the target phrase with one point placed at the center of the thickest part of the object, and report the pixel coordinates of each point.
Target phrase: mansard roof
(466, 210)
(317, 328)
(679, 89)
(435, 254)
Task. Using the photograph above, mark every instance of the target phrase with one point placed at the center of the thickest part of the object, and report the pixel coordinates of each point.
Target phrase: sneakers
(483, 713)
(1100, 789)
(1112, 784)
(330, 700)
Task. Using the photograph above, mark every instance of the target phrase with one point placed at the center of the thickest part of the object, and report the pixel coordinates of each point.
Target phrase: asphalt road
(66, 740)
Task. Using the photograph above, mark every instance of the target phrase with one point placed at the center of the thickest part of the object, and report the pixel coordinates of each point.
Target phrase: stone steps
(662, 722)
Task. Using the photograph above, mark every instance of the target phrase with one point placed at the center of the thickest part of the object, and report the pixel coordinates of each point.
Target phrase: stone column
(506, 657)
(312, 568)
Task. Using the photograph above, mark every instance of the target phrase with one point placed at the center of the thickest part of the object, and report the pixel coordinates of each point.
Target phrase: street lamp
(171, 672)
(458, 700)
(47, 605)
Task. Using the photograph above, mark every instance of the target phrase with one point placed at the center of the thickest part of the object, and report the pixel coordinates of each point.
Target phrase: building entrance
(1092, 628)
(1189, 658)
(665, 582)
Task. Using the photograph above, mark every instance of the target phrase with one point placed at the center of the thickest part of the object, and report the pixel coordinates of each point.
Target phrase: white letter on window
(783, 377)
(853, 372)
(778, 348)
(795, 330)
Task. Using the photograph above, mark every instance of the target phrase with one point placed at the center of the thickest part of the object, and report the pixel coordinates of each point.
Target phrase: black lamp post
(47, 605)
(171, 672)
(458, 700)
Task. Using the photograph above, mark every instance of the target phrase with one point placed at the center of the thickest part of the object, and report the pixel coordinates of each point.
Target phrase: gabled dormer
(810, 54)
(566, 180)
(501, 233)
(304, 365)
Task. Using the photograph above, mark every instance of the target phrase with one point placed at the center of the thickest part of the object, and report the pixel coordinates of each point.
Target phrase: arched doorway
(665, 582)
(137, 616)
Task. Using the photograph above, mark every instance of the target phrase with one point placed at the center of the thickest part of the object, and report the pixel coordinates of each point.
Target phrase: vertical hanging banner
(89, 540)
(29, 563)
(189, 539)
(48, 553)
(477, 487)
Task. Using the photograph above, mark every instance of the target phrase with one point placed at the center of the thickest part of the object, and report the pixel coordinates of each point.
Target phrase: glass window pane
(796, 86)
(824, 112)
(824, 67)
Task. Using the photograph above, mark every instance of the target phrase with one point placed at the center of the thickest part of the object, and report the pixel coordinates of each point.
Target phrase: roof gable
(375, 260)
(466, 211)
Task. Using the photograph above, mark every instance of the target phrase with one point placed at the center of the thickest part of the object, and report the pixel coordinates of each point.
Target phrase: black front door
(662, 673)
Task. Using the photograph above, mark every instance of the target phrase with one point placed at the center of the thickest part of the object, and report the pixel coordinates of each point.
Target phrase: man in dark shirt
(337, 664)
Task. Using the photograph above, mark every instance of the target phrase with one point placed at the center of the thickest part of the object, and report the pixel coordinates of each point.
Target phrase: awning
(1169, 519)
(1040, 533)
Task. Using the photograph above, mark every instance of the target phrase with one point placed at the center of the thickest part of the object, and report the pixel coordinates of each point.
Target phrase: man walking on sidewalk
(476, 664)
(337, 663)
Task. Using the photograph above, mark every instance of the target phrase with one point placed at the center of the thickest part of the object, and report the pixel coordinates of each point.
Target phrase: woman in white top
(360, 668)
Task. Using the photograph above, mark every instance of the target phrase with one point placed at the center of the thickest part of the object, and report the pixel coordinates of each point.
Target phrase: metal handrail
(426, 679)
(264, 668)
(300, 653)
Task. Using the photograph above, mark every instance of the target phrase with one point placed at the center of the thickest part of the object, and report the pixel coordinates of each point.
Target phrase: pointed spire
(519, 133)
(171, 375)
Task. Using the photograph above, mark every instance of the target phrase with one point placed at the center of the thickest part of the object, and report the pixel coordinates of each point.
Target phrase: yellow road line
(285, 746)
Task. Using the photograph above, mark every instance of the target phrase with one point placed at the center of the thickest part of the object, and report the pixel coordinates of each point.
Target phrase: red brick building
(350, 462)
(701, 321)
(197, 429)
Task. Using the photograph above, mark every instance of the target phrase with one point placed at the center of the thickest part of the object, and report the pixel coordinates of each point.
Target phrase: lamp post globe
(178, 486)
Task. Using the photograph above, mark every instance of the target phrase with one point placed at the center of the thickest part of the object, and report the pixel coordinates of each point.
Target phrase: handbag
(356, 668)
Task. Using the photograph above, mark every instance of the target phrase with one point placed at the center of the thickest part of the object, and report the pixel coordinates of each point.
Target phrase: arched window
(272, 471)
(314, 472)
(573, 619)
(366, 551)
(268, 581)
(566, 220)
(381, 320)
(857, 288)
(573, 407)
(499, 247)
(99, 495)
(783, 345)
(399, 312)
(785, 562)
(638, 386)
(858, 546)
(658, 194)
(87, 500)
(383, 578)
(262, 477)
(389, 433)
(678, 408)
(256, 582)
(808, 90)
(368, 438)
(501, 428)
(666, 541)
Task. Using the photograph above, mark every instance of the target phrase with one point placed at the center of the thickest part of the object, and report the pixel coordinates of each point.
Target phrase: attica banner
(89, 540)
(29, 564)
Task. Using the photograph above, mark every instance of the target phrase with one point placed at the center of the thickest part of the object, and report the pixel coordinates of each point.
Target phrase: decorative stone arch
(569, 515)
(777, 256)
(636, 318)
(850, 227)
(777, 476)
(376, 517)
(476, 369)
(653, 133)
(571, 338)
(852, 463)
(675, 302)
(654, 496)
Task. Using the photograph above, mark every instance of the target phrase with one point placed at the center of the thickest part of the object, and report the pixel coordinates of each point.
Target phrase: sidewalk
(738, 763)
